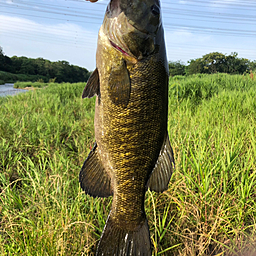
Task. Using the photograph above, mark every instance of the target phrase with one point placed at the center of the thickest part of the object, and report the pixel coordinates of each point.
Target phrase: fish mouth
(119, 49)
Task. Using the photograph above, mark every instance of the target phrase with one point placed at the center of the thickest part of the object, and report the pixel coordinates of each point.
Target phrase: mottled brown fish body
(130, 138)
(133, 150)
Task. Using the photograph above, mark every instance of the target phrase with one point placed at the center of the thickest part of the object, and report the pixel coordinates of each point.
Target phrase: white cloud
(60, 30)
(9, 2)
(184, 35)
(223, 3)
(62, 41)
(182, 2)
(214, 2)
(184, 45)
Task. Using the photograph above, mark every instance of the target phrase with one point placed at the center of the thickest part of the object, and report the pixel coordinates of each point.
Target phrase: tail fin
(116, 241)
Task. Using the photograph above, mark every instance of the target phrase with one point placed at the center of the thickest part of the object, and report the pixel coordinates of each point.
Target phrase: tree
(235, 65)
(5, 61)
(40, 67)
(176, 68)
(217, 62)
(28, 66)
(213, 62)
(253, 65)
(195, 67)
(1, 51)
(61, 70)
(1, 58)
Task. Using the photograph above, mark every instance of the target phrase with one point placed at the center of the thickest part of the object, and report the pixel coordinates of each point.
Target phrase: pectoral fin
(93, 85)
(162, 172)
(119, 85)
(93, 178)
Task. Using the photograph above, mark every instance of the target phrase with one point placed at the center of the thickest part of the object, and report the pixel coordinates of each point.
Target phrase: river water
(7, 89)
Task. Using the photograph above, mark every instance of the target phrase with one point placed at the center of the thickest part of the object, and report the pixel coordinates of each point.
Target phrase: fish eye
(155, 10)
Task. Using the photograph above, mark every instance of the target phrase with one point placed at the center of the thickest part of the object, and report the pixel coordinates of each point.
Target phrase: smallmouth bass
(132, 151)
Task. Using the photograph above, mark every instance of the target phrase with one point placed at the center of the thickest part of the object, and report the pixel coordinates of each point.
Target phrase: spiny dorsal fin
(119, 85)
(162, 171)
(93, 178)
(93, 85)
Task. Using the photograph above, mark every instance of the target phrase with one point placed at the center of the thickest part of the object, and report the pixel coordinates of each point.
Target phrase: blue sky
(67, 29)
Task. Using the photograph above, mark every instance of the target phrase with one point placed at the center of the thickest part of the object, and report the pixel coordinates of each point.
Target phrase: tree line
(214, 62)
(61, 71)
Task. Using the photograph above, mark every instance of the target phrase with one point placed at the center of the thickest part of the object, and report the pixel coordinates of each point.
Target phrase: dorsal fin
(164, 166)
(93, 178)
(93, 85)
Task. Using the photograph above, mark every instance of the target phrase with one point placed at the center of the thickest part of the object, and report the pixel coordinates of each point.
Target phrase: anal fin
(164, 166)
(93, 178)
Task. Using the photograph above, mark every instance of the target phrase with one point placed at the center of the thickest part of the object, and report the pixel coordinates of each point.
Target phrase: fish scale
(143, 146)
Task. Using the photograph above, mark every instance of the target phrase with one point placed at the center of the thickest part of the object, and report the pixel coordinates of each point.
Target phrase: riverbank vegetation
(7, 77)
(208, 209)
(38, 84)
(28, 69)
(214, 62)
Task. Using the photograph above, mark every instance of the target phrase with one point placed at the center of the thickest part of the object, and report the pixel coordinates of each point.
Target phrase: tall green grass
(209, 208)
(38, 84)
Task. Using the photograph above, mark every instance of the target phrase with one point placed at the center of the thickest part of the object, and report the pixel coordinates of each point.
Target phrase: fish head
(142, 14)
(132, 26)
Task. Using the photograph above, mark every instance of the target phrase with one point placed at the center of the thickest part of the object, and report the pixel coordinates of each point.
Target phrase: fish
(132, 152)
